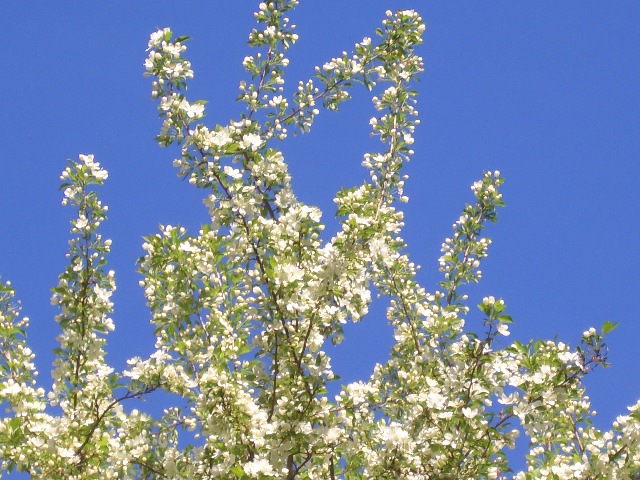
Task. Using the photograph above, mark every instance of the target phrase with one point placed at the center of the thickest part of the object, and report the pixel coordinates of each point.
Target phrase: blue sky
(546, 92)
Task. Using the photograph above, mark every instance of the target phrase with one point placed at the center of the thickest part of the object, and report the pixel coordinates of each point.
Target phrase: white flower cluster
(243, 311)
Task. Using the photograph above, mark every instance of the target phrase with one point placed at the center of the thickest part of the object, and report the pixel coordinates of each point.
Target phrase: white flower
(277, 100)
(504, 330)
(94, 167)
(232, 172)
(492, 473)
(220, 137)
(394, 435)
(488, 301)
(81, 223)
(193, 110)
(257, 467)
(156, 38)
(470, 412)
(251, 141)
(11, 388)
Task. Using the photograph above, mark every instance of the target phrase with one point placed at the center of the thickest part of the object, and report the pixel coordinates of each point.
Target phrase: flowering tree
(244, 308)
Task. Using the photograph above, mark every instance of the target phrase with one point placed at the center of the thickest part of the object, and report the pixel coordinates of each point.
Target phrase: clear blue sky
(547, 92)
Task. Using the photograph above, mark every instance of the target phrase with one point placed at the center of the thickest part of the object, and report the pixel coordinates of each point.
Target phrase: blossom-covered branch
(243, 310)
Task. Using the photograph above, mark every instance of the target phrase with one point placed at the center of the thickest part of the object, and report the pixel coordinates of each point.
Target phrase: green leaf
(237, 471)
(14, 424)
(608, 327)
